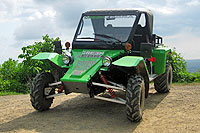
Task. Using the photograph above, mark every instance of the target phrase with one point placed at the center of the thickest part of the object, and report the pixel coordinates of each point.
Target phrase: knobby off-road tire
(38, 98)
(163, 82)
(135, 96)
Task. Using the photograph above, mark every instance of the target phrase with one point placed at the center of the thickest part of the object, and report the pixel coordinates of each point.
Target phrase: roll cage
(138, 33)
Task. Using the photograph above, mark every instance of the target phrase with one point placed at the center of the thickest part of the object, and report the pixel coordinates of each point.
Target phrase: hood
(86, 63)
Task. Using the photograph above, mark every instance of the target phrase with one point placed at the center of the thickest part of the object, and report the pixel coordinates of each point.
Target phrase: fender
(133, 61)
(138, 63)
(53, 57)
(160, 55)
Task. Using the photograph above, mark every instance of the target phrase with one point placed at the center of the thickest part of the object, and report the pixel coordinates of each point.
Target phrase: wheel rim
(142, 96)
(170, 77)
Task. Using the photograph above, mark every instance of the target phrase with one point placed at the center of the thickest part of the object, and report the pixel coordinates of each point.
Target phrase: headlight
(107, 61)
(66, 59)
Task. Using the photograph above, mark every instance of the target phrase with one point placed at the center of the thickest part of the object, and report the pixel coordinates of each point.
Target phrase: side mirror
(58, 47)
(146, 50)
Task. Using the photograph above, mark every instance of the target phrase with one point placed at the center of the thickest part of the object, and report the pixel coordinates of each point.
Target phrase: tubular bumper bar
(121, 88)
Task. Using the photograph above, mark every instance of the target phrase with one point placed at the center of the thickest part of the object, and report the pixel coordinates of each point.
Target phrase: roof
(124, 11)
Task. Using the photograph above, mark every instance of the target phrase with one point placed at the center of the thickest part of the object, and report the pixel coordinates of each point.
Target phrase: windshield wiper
(109, 37)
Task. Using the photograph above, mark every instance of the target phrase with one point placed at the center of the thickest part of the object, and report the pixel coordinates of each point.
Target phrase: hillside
(193, 65)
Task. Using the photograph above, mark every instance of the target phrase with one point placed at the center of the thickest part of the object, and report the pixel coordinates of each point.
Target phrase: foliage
(17, 77)
(32, 67)
(11, 77)
(180, 74)
(9, 93)
(196, 76)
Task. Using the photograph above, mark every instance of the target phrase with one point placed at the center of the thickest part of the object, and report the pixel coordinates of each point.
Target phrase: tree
(32, 67)
(180, 73)
(17, 77)
(11, 77)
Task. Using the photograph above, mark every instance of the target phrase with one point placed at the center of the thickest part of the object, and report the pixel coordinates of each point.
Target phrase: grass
(9, 93)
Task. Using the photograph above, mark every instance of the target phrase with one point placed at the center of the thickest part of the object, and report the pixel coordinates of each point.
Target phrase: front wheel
(38, 97)
(135, 96)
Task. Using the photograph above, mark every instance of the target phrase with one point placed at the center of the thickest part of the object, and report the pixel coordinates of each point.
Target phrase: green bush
(196, 76)
(180, 73)
(17, 77)
(32, 67)
(11, 78)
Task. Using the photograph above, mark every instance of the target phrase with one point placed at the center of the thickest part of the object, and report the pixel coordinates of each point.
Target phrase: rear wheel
(163, 82)
(38, 96)
(135, 96)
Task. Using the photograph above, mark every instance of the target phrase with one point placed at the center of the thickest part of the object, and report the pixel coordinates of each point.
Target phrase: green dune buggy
(112, 51)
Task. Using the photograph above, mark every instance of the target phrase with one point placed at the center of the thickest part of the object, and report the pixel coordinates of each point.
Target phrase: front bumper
(77, 87)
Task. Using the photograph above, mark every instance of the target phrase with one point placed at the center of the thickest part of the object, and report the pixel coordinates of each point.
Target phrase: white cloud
(9, 52)
(165, 10)
(186, 42)
(50, 13)
(31, 18)
(38, 15)
(193, 3)
(35, 29)
(28, 20)
(13, 10)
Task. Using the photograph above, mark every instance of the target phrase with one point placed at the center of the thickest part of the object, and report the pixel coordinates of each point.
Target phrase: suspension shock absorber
(60, 89)
(112, 93)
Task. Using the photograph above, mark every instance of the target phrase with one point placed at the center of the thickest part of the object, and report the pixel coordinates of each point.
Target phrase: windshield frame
(103, 44)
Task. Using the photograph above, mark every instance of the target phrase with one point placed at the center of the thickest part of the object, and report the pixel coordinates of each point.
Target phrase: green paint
(160, 59)
(44, 56)
(53, 57)
(128, 61)
(133, 61)
(104, 69)
(86, 63)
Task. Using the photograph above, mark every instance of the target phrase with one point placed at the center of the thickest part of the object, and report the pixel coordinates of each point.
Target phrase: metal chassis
(115, 86)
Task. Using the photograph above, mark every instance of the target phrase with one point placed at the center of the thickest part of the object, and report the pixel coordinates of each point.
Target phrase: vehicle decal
(92, 54)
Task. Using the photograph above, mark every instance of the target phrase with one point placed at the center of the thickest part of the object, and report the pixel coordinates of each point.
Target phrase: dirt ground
(177, 111)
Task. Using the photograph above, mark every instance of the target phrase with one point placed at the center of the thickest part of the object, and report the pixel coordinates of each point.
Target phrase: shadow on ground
(80, 114)
(154, 99)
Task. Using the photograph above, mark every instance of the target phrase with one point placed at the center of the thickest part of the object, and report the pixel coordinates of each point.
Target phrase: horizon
(192, 59)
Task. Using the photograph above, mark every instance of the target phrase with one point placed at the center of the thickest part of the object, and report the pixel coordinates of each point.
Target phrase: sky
(23, 22)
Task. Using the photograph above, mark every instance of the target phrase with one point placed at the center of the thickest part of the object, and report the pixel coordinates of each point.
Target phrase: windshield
(105, 28)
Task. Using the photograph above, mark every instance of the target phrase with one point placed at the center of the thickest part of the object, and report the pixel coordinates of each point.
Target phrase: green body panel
(133, 61)
(53, 57)
(128, 61)
(160, 59)
(86, 63)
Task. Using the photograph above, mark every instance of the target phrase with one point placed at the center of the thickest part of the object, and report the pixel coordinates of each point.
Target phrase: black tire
(135, 96)
(163, 82)
(38, 98)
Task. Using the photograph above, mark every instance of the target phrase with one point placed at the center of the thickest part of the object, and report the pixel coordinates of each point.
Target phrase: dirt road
(177, 111)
